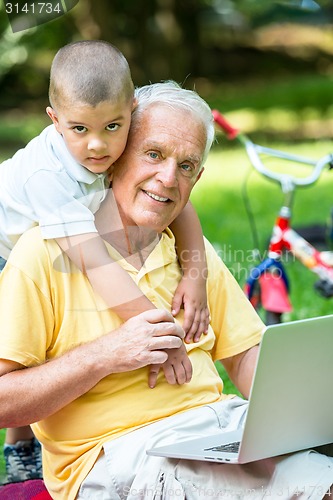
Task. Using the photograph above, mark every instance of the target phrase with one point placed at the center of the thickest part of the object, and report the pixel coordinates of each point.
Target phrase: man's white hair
(171, 94)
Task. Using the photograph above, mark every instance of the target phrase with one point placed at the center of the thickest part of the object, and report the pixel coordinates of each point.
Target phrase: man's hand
(143, 340)
(177, 368)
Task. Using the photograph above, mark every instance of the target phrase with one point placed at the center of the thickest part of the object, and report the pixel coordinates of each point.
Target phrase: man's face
(95, 136)
(153, 179)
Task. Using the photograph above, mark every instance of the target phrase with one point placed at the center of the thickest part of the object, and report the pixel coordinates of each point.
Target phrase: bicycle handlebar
(223, 123)
(287, 181)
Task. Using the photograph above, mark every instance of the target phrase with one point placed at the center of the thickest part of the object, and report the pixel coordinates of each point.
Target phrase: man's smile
(156, 197)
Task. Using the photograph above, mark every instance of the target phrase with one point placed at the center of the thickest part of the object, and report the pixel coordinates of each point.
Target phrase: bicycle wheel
(272, 318)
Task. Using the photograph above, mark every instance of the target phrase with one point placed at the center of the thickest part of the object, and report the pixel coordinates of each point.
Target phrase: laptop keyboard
(230, 447)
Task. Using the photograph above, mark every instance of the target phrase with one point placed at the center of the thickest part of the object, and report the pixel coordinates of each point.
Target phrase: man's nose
(167, 173)
(96, 143)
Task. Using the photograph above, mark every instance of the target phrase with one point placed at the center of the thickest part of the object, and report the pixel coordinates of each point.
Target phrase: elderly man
(69, 366)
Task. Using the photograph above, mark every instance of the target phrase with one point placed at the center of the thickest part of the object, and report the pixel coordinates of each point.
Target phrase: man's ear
(135, 103)
(199, 175)
(53, 115)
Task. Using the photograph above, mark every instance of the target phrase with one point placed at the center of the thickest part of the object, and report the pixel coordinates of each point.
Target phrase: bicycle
(267, 285)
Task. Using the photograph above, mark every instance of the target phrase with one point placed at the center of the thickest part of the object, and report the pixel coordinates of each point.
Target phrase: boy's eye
(112, 127)
(80, 129)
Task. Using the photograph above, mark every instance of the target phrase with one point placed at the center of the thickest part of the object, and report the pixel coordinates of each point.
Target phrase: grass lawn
(217, 198)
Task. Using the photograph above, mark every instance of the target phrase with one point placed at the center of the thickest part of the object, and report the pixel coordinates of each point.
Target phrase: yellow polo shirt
(53, 309)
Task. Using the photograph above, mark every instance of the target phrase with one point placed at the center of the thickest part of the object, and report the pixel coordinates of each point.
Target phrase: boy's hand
(191, 294)
(177, 368)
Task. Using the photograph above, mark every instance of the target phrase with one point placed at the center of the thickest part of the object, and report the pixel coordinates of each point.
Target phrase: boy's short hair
(90, 72)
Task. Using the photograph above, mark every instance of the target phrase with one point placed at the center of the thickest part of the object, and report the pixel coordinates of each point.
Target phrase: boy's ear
(53, 115)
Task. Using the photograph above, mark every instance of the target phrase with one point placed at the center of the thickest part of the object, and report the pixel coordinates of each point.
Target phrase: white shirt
(43, 184)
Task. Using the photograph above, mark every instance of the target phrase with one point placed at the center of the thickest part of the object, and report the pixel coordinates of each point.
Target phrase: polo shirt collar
(162, 254)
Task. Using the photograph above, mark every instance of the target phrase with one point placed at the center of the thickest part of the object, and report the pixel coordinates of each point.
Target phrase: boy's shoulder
(46, 154)
(40, 153)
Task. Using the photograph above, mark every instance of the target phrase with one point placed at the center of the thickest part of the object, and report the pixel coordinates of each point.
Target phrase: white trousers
(124, 471)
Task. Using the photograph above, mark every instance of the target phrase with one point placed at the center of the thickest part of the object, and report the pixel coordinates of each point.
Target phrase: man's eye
(80, 129)
(153, 155)
(187, 168)
(112, 127)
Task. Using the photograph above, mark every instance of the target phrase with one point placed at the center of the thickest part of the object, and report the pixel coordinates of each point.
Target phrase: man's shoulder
(37, 258)
(214, 254)
(218, 270)
(33, 235)
(31, 244)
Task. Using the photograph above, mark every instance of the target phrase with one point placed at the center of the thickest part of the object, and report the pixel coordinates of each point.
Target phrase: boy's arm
(119, 292)
(177, 368)
(191, 291)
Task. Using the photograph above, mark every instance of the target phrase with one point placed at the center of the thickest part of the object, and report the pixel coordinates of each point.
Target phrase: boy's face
(95, 136)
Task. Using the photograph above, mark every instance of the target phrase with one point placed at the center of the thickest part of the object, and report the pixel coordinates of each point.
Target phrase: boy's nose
(96, 144)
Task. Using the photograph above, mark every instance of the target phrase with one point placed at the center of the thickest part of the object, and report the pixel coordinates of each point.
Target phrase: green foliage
(191, 41)
(16, 131)
(295, 93)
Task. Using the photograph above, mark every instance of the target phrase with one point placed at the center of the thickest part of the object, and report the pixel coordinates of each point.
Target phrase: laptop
(291, 401)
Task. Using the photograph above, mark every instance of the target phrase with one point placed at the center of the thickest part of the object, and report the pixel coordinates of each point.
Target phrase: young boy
(59, 181)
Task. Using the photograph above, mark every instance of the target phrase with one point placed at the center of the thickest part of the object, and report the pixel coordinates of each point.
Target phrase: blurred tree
(159, 37)
(200, 42)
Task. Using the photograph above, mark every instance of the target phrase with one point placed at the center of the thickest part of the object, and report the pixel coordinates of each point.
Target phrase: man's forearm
(31, 394)
(241, 368)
